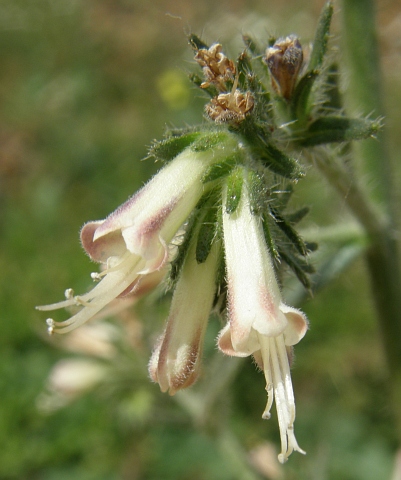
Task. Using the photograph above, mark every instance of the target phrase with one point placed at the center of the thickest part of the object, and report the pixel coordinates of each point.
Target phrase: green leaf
(220, 169)
(338, 129)
(258, 192)
(298, 266)
(208, 141)
(169, 148)
(282, 196)
(332, 94)
(234, 189)
(206, 235)
(289, 231)
(321, 37)
(244, 69)
(251, 45)
(300, 99)
(258, 138)
(178, 262)
(297, 216)
(269, 239)
(278, 162)
(196, 43)
(197, 80)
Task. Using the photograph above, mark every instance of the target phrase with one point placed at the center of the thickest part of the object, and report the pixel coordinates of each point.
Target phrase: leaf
(300, 99)
(208, 141)
(296, 217)
(321, 37)
(332, 129)
(170, 147)
(269, 239)
(258, 192)
(220, 169)
(289, 231)
(244, 69)
(206, 235)
(278, 162)
(198, 81)
(234, 189)
(250, 43)
(196, 43)
(298, 266)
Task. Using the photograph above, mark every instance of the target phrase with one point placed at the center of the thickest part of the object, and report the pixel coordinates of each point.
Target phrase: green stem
(365, 93)
(383, 256)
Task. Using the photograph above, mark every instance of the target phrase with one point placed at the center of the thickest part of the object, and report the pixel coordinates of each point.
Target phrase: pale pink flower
(134, 240)
(259, 323)
(176, 359)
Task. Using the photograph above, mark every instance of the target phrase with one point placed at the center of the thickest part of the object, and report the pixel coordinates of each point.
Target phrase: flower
(68, 380)
(176, 359)
(134, 240)
(284, 60)
(260, 324)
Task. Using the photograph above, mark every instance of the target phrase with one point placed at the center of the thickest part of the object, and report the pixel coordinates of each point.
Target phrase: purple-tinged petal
(297, 324)
(149, 220)
(100, 250)
(176, 359)
(225, 344)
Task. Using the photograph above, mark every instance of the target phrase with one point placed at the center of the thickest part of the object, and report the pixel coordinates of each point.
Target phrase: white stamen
(265, 351)
(285, 402)
(102, 294)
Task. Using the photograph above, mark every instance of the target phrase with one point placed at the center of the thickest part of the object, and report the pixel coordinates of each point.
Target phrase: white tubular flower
(259, 323)
(133, 240)
(176, 359)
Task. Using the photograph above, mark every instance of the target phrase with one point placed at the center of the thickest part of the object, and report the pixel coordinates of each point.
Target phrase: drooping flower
(176, 359)
(259, 323)
(134, 240)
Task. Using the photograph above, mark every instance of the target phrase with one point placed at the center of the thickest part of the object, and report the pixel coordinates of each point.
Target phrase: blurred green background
(85, 86)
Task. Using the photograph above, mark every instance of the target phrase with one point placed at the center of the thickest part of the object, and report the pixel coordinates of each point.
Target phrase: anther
(69, 293)
(50, 326)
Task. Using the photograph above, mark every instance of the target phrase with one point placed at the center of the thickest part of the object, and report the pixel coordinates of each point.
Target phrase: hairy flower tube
(259, 323)
(176, 359)
(133, 241)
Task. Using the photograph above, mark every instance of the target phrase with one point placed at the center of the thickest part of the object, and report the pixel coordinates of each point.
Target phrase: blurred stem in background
(382, 256)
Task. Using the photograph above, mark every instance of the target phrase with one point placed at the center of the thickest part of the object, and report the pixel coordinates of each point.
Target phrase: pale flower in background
(69, 379)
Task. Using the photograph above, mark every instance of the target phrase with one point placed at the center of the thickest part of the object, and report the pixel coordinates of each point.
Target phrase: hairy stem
(383, 255)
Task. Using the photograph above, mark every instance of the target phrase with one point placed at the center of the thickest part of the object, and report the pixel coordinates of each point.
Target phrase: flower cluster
(215, 217)
(133, 245)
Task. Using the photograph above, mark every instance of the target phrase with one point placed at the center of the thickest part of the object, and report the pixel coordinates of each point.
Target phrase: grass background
(85, 86)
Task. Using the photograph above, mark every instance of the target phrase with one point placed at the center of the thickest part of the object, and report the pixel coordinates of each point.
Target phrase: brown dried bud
(284, 60)
(230, 107)
(217, 68)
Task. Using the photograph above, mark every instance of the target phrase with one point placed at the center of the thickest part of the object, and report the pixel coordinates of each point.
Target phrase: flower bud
(284, 60)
